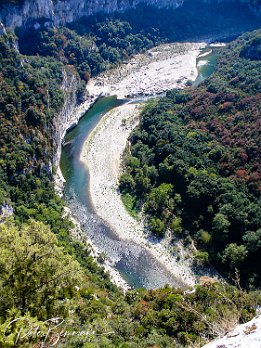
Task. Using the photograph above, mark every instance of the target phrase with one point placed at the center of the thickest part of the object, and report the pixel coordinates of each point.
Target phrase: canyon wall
(62, 12)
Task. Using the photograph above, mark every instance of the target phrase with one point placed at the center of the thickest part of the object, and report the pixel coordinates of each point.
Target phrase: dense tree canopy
(41, 282)
(35, 271)
(195, 162)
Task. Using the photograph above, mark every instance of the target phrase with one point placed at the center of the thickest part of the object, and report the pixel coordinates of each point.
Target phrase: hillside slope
(195, 164)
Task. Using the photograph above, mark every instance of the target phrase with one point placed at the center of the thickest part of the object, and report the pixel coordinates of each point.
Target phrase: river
(136, 265)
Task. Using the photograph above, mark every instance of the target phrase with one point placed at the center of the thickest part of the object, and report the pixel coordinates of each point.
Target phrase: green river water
(136, 265)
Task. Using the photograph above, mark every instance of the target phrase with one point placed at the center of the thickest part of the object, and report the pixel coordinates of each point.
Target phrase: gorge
(190, 173)
(73, 171)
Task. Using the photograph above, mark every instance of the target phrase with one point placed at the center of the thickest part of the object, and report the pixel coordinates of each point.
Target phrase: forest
(102, 41)
(194, 166)
(56, 285)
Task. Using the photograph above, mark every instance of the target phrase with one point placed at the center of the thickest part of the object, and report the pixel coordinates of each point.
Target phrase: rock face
(64, 119)
(71, 111)
(68, 117)
(62, 12)
(243, 336)
(5, 212)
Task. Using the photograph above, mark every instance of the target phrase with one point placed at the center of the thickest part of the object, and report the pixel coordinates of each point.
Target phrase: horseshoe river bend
(90, 164)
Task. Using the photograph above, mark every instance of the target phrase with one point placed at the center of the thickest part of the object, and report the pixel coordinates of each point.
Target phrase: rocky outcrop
(67, 118)
(5, 212)
(243, 336)
(62, 12)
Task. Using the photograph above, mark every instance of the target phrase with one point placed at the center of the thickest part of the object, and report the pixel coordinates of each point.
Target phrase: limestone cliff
(243, 336)
(67, 118)
(62, 12)
(63, 121)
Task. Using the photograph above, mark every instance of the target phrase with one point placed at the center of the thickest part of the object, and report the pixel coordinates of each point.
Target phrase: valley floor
(160, 69)
(102, 154)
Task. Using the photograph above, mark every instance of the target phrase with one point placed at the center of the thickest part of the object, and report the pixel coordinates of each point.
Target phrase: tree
(126, 182)
(204, 237)
(253, 240)
(220, 223)
(33, 117)
(234, 254)
(157, 226)
(160, 198)
(176, 225)
(201, 258)
(34, 271)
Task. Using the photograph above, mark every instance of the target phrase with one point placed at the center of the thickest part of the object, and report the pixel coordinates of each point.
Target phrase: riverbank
(95, 252)
(103, 153)
(62, 128)
(160, 69)
(156, 71)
